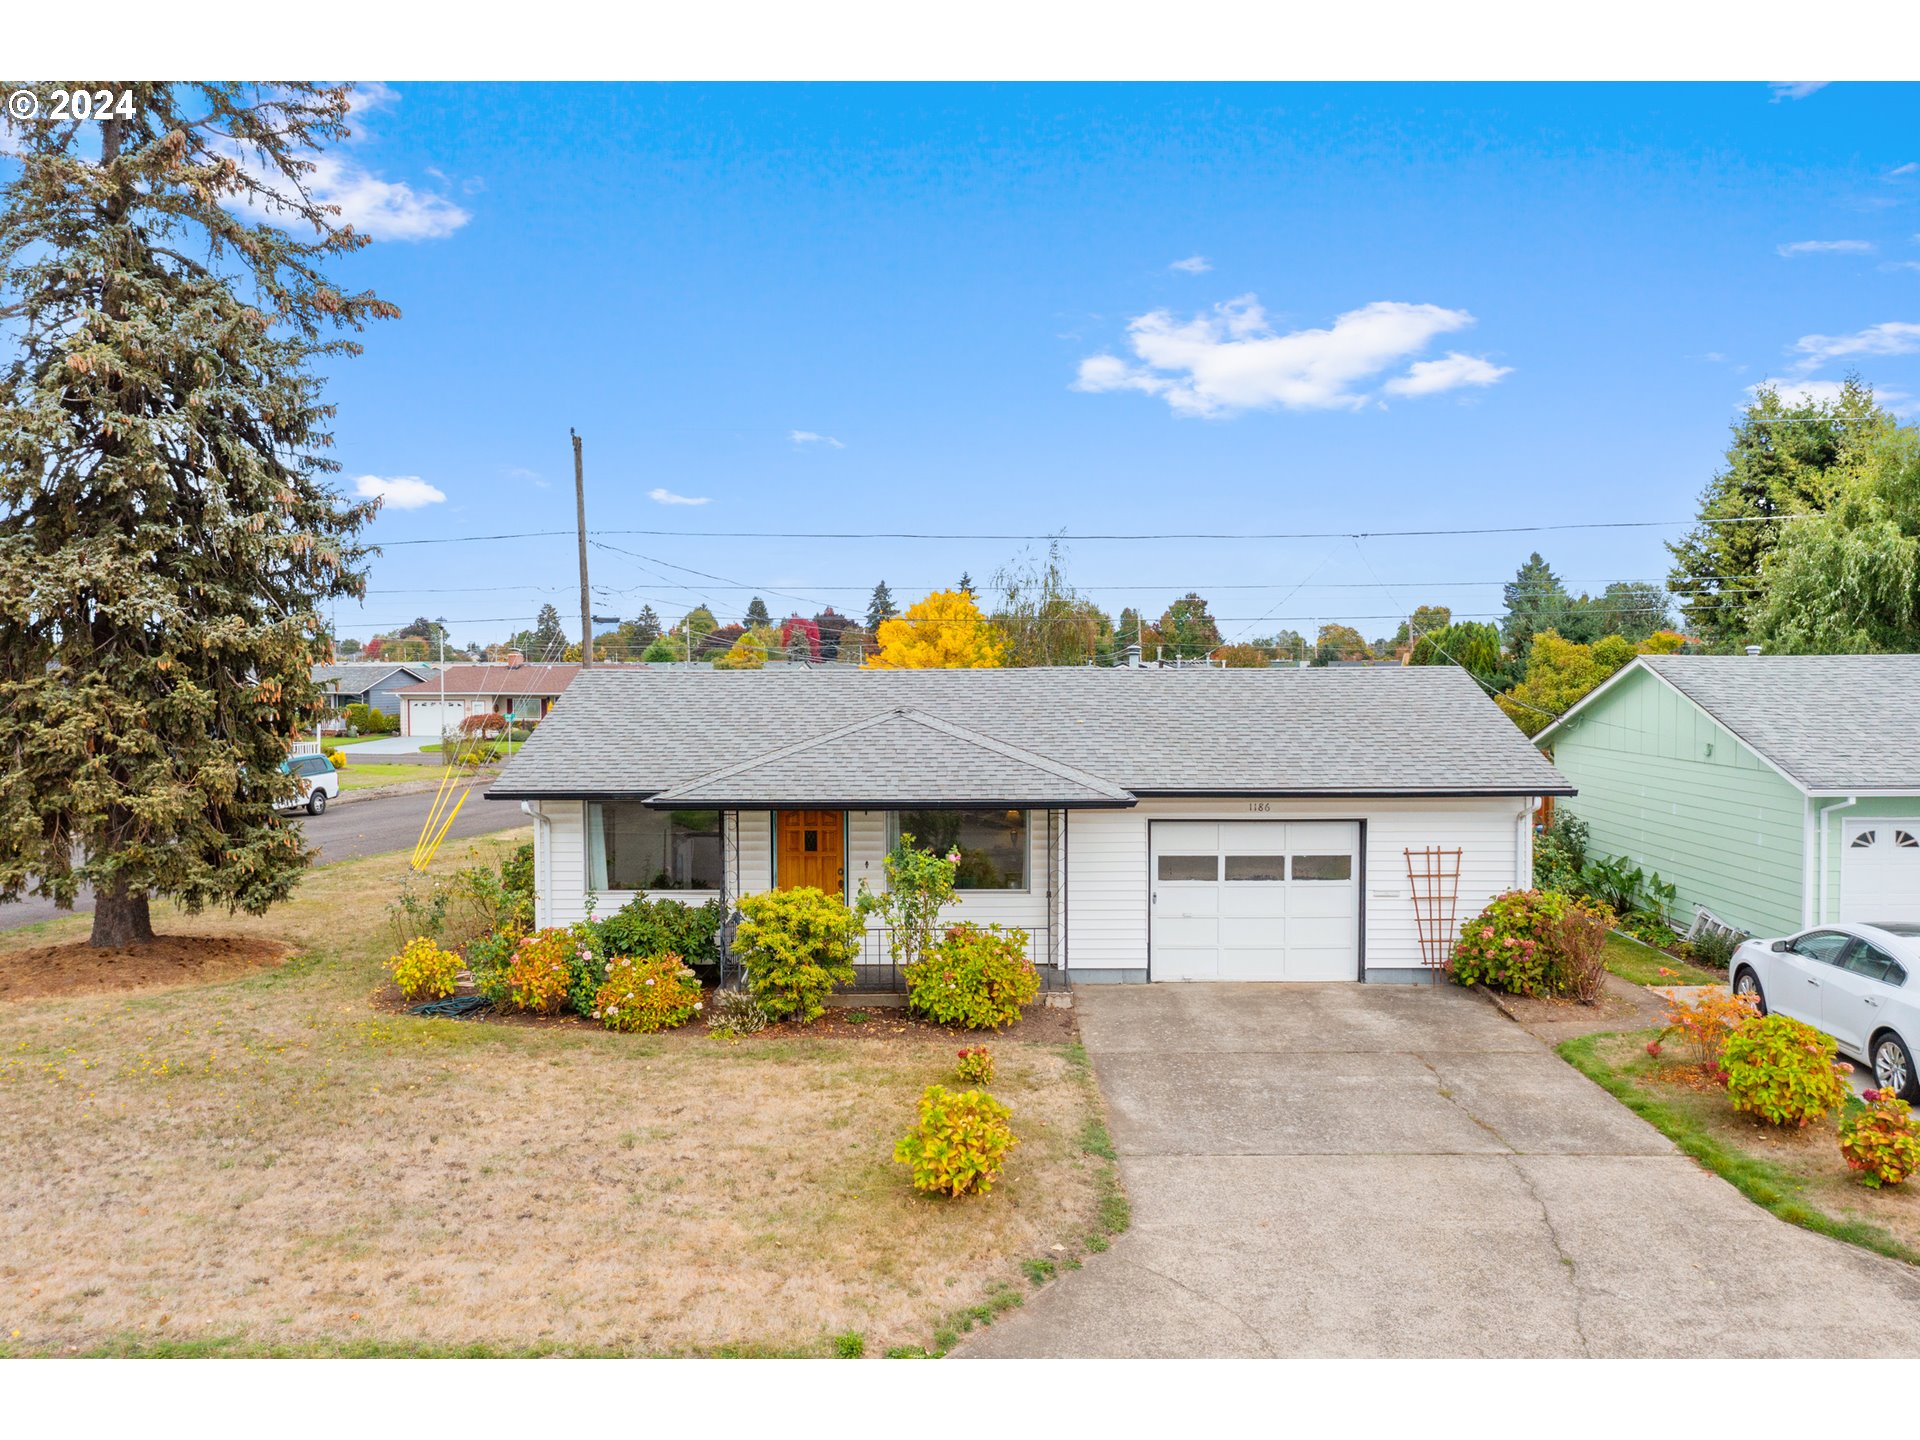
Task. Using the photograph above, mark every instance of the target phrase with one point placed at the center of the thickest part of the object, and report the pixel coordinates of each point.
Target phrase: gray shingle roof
(358, 677)
(1833, 722)
(630, 734)
(898, 758)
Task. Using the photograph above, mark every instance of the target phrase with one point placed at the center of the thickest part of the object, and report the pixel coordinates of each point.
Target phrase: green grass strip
(1764, 1183)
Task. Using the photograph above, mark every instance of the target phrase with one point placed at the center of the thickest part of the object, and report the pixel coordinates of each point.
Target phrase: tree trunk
(120, 918)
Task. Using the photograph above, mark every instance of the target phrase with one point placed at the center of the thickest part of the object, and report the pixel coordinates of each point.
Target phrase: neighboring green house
(1776, 792)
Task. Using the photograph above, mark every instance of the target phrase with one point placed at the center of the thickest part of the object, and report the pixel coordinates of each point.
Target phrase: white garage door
(1880, 870)
(429, 719)
(1255, 900)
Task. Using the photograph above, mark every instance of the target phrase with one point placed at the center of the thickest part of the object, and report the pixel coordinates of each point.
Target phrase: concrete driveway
(1353, 1170)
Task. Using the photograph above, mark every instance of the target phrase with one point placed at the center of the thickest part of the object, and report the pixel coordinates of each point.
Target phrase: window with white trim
(633, 847)
(992, 844)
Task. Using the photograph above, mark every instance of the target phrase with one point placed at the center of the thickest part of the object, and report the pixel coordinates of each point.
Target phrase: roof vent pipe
(1753, 649)
(1133, 656)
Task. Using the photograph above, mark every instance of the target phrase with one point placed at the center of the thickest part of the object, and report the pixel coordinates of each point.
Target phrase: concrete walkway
(1351, 1170)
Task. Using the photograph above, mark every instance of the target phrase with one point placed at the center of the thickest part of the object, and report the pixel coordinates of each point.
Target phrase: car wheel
(1893, 1067)
(317, 803)
(1748, 983)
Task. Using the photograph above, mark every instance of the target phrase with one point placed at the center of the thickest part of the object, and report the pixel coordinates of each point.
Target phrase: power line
(1222, 535)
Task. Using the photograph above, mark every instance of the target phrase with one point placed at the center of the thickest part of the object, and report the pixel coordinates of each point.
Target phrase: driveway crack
(1512, 1158)
(1246, 1324)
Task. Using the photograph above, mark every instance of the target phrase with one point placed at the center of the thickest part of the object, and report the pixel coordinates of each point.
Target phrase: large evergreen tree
(757, 613)
(880, 607)
(547, 640)
(166, 534)
(1535, 601)
(1787, 457)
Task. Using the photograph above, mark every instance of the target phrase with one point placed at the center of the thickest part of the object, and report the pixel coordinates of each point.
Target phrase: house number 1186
(1260, 805)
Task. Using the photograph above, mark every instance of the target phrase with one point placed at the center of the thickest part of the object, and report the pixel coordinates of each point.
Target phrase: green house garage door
(1254, 900)
(1880, 870)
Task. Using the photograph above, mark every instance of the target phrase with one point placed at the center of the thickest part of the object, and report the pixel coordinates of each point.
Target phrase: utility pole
(580, 513)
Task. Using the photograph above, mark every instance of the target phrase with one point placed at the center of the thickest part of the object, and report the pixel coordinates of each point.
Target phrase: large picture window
(631, 847)
(992, 843)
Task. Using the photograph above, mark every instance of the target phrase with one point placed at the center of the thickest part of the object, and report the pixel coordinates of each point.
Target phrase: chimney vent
(1133, 656)
(515, 659)
(1753, 649)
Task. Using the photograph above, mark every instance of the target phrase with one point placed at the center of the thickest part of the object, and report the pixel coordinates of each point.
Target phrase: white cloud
(1827, 247)
(1231, 358)
(1452, 371)
(1901, 265)
(661, 496)
(398, 492)
(1192, 265)
(367, 96)
(809, 437)
(1912, 167)
(1795, 89)
(526, 476)
(1895, 337)
(384, 209)
(1821, 392)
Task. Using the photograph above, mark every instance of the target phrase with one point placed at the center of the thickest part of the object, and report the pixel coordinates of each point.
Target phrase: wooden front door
(809, 850)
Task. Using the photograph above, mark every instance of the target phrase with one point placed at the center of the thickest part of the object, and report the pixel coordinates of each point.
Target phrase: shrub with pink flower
(1880, 1140)
(1511, 944)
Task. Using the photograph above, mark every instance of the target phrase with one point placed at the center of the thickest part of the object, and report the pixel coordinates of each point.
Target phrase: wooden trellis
(1434, 875)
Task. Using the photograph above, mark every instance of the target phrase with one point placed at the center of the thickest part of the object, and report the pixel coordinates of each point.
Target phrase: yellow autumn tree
(945, 631)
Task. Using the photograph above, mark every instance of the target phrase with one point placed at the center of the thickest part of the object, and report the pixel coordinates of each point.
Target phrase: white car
(1853, 981)
(319, 782)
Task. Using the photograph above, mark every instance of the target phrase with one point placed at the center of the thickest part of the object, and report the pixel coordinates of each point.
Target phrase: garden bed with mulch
(1042, 1024)
(76, 968)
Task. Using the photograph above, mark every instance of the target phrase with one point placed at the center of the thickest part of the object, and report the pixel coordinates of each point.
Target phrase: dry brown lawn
(277, 1163)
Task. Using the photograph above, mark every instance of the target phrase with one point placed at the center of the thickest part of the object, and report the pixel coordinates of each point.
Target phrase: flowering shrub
(1881, 1140)
(1783, 1071)
(734, 1013)
(976, 1065)
(423, 968)
(645, 994)
(976, 977)
(796, 946)
(1706, 1022)
(960, 1143)
(1509, 945)
(540, 975)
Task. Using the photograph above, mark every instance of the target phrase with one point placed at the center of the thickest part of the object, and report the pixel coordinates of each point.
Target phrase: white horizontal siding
(1107, 867)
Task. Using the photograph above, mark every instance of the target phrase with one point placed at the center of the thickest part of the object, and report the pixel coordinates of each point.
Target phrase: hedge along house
(1257, 828)
(1139, 824)
(1774, 792)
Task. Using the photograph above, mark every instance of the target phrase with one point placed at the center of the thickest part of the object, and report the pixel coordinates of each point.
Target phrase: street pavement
(350, 831)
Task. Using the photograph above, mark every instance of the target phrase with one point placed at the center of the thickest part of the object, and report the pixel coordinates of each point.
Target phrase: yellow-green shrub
(644, 993)
(796, 946)
(976, 1065)
(960, 1143)
(976, 977)
(423, 968)
(1880, 1140)
(541, 971)
(1782, 1071)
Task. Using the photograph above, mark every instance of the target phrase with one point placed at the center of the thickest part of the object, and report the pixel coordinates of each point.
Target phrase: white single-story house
(509, 687)
(1139, 824)
(376, 683)
(1774, 792)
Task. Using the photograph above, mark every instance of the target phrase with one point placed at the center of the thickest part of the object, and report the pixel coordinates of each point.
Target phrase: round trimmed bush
(423, 968)
(1880, 1140)
(1510, 945)
(1782, 1071)
(960, 1143)
(977, 977)
(796, 946)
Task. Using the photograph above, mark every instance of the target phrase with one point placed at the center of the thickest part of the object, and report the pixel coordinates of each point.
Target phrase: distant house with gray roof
(1137, 823)
(1776, 792)
(375, 683)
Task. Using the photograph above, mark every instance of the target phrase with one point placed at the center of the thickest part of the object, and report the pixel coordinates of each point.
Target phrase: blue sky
(1554, 300)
